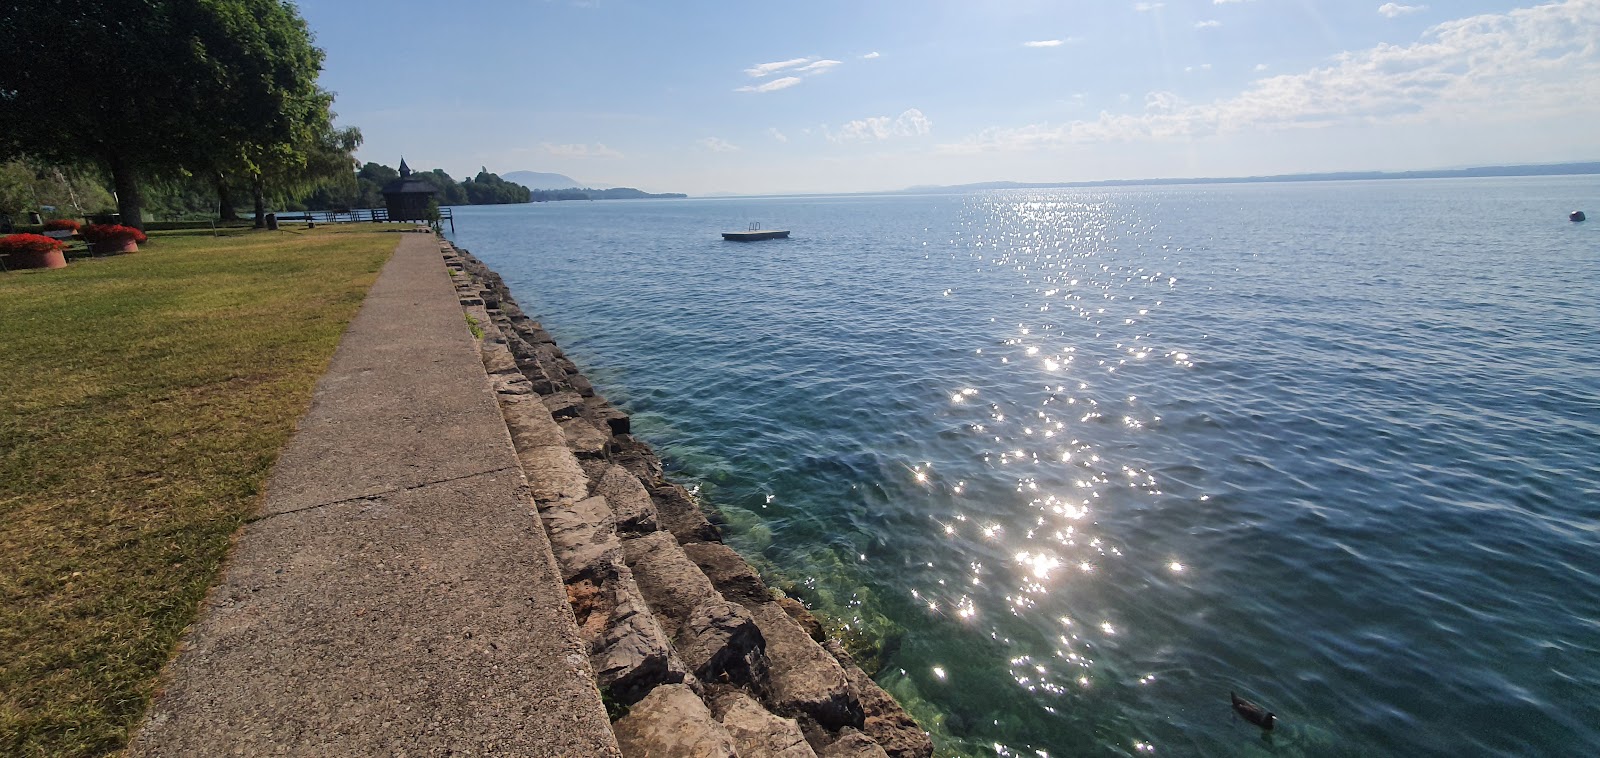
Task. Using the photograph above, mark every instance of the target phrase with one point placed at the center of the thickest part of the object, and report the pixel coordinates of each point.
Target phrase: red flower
(117, 233)
(61, 225)
(28, 243)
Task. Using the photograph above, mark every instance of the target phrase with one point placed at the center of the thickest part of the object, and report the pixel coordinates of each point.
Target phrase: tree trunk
(225, 209)
(125, 177)
(259, 191)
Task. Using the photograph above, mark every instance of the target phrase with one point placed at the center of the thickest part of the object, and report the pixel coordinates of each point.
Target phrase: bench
(77, 247)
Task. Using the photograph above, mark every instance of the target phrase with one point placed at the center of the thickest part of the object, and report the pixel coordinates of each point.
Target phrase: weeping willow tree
(325, 160)
(74, 191)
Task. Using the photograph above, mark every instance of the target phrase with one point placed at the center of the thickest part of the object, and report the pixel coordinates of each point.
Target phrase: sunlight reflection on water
(1090, 459)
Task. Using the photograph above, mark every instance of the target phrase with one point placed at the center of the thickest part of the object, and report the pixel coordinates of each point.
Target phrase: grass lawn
(143, 400)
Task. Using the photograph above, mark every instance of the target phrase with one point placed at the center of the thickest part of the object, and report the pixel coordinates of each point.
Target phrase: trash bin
(272, 222)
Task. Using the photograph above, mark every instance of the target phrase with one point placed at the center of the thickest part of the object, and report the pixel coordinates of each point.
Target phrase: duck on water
(1253, 712)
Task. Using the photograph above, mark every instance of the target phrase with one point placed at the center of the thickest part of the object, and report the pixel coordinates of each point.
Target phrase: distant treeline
(367, 191)
(615, 193)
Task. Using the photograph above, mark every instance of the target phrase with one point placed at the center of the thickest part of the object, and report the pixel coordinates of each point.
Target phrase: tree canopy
(490, 189)
(159, 87)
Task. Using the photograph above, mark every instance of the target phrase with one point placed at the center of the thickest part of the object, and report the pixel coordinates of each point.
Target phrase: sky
(866, 95)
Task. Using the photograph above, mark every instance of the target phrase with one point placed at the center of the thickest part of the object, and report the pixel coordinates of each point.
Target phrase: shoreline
(683, 634)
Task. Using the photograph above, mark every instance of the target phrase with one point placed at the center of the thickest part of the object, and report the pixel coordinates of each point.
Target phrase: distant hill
(628, 193)
(562, 187)
(615, 193)
(538, 180)
(1542, 169)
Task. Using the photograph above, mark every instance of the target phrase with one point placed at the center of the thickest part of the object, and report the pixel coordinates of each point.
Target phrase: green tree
(324, 161)
(369, 184)
(490, 189)
(450, 191)
(152, 87)
(73, 191)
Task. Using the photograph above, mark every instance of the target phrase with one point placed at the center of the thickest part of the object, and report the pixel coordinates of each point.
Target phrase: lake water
(1088, 459)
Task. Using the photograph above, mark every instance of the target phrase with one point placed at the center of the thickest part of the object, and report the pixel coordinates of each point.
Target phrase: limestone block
(802, 616)
(853, 744)
(535, 334)
(717, 640)
(608, 417)
(513, 311)
(583, 439)
(758, 733)
(629, 500)
(594, 469)
(542, 383)
(804, 677)
(582, 537)
(632, 656)
(637, 457)
(680, 514)
(564, 405)
(671, 722)
(497, 359)
(581, 384)
(721, 642)
(728, 572)
(549, 367)
(530, 423)
(520, 349)
(511, 384)
(671, 583)
(886, 722)
(553, 473)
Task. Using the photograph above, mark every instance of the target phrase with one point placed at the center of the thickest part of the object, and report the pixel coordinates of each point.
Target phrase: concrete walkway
(396, 595)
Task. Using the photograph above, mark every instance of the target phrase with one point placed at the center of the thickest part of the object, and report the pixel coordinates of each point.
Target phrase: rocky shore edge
(693, 653)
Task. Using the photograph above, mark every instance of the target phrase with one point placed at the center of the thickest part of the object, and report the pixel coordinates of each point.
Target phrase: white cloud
(1044, 43)
(1201, 67)
(870, 56)
(777, 135)
(717, 145)
(1532, 63)
(816, 67)
(1396, 10)
(1261, 67)
(579, 150)
(910, 123)
(1148, 7)
(765, 69)
(1211, 24)
(772, 86)
(794, 69)
(1225, 2)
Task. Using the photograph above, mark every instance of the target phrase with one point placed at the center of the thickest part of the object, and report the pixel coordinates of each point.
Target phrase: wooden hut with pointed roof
(406, 198)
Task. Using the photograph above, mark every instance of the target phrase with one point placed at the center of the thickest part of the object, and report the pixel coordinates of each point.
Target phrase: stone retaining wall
(707, 659)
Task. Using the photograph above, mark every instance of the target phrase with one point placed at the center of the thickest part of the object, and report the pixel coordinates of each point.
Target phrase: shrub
(112, 233)
(61, 225)
(28, 243)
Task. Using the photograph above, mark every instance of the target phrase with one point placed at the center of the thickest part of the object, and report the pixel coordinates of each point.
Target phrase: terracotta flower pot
(50, 259)
(111, 247)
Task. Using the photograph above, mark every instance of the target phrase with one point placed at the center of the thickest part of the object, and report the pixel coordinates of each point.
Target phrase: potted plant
(32, 251)
(113, 238)
(61, 225)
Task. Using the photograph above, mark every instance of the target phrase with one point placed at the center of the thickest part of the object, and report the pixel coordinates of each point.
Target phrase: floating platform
(756, 234)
